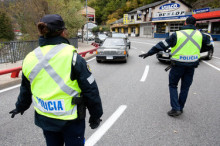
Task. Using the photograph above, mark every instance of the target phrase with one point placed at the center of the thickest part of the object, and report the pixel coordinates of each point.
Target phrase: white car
(165, 56)
(90, 37)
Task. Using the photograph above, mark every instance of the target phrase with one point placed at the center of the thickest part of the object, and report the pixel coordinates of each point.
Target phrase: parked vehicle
(165, 56)
(122, 35)
(90, 37)
(100, 37)
(79, 35)
(112, 49)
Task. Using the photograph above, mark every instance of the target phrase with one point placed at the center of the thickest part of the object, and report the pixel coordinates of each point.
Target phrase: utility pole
(87, 23)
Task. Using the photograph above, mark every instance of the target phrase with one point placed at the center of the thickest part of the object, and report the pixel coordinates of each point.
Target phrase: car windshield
(102, 36)
(120, 35)
(113, 42)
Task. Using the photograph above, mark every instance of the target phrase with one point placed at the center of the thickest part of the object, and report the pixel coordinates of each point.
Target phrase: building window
(161, 27)
(125, 30)
(175, 26)
(215, 28)
(139, 16)
(203, 27)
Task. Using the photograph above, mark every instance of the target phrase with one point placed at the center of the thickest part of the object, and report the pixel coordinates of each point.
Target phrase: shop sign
(170, 18)
(125, 18)
(90, 16)
(203, 10)
(169, 7)
(169, 14)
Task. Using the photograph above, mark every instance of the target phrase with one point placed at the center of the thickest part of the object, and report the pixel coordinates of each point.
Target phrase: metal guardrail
(15, 71)
(17, 50)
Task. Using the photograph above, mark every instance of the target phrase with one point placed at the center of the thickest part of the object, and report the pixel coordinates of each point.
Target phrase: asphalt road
(135, 101)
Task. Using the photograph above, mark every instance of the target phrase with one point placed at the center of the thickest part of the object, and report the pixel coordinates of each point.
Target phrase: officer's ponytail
(46, 31)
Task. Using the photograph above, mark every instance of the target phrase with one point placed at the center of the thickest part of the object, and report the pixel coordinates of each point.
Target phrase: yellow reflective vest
(48, 69)
(188, 46)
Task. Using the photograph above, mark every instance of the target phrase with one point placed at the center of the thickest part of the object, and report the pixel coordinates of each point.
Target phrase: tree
(6, 30)
(35, 9)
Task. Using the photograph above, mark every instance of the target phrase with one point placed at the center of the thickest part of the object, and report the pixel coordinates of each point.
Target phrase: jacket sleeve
(163, 45)
(25, 96)
(206, 43)
(81, 72)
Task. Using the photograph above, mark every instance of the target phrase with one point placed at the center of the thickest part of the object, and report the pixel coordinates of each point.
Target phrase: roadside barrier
(15, 71)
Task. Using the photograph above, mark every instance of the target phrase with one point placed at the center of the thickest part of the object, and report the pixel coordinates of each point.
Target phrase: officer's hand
(94, 123)
(15, 112)
(144, 55)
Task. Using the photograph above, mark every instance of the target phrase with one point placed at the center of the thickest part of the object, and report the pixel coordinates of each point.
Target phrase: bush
(6, 30)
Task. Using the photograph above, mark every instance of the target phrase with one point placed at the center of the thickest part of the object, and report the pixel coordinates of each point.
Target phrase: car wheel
(125, 61)
(162, 61)
(210, 54)
(99, 61)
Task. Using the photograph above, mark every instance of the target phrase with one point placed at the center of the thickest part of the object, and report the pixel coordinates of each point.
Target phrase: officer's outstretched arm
(161, 46)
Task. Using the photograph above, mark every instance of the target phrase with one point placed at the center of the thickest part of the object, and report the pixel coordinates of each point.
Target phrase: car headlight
(120, 52)
(100, 52)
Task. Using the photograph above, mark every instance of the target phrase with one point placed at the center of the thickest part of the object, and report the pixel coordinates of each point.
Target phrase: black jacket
(171, 42)
(79, 72)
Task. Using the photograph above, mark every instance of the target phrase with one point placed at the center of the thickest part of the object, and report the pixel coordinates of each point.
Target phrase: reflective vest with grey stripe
(188, 46)
(48, 69)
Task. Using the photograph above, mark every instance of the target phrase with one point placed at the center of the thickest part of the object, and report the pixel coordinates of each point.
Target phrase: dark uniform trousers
(186, 76)
(71, 135)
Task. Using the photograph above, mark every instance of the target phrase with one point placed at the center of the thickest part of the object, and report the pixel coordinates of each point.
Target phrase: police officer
(60, 85)
(185, 46)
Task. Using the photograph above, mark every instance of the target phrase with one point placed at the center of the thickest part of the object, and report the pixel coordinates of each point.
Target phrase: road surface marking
(104, 127)
(10, 88)
(90, 59)
(144, 43)
(216, 57)
(212, 65)
(144, 76)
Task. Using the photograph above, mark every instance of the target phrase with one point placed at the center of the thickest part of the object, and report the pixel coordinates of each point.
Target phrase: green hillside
(108, 11)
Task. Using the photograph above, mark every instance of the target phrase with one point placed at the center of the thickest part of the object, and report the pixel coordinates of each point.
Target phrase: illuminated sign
(197, 11)
(169, 7)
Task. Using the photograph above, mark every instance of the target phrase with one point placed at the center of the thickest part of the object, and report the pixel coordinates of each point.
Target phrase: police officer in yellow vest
(60, 85)
(186, 45)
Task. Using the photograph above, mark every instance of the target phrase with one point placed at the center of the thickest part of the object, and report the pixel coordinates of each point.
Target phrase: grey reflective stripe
(66, 113)
(43, 64)
(90, 79)
(165, 43)
(189, 37)
(74, 58)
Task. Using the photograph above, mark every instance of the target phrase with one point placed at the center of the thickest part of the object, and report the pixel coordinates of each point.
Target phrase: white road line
(104, 128)
(145, 73)
(143, 43)
(212, 65)
(216, 57)
(90, 59)
(10, 88)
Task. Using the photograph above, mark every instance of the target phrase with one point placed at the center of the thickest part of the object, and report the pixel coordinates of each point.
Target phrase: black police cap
(191, 20)
(54, 22)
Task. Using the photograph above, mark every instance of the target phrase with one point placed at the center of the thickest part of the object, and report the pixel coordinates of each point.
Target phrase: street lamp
(87, 23)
